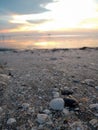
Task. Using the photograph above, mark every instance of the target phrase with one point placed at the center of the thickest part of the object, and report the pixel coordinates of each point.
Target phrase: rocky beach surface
(53, 89)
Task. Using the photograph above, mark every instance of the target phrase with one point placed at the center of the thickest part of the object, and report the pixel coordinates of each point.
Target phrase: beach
(32, 80)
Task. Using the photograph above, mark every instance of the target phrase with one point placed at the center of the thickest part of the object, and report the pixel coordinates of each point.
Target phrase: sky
(48, 16)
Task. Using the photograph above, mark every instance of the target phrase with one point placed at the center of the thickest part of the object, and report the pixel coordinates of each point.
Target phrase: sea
(48, 41)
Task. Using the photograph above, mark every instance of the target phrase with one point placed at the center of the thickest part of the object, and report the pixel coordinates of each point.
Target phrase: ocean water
(48, 41)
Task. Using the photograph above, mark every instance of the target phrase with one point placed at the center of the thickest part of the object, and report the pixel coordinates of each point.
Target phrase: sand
(29, 77)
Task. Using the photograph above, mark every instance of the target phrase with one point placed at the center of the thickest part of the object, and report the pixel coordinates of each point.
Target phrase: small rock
(42, 118)
(40, 97)
(4, 77)
(57, 104)
(66, 112)
(49, 123)
(96, 87)
(2, 83)
(33, 128)
(11, 121)
(40, 127)
(46, 111)
(72, 103)
(76, 81)
(83, 48)
(53, 58)
(94, 106)
(96, 114)
(31, 110)
(77, 126)
(89, 82)
(66, 92)
(56, 94)
(25, 106)
(1, 110)
(94, 123)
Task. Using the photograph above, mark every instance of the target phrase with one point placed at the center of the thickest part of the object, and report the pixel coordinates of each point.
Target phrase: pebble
(49, 123)
(33, 128)
(2, 83)
(94, 106)
(40, 97)
(57, 104)
(76, 81)
(94, 123)
(72, 103)
(31, 110)
(40, 127)
(96, 87)
(1, 110)
(96, 114)
(66, 112)
(53, 58)
(25, 106)
(66, 92)
(42, 118)
(89, 82)
(46, 111)
(77, 125)
(11, 121)
(56, 94)
(4, 77)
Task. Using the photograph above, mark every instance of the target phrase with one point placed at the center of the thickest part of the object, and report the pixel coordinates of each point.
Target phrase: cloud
(24, 6)
(89, 23)
(5, 24)
(96, 1)
(40, 21)
(21, 7)
(20, 22)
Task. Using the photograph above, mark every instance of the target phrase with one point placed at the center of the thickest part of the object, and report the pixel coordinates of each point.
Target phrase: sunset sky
(48, 15)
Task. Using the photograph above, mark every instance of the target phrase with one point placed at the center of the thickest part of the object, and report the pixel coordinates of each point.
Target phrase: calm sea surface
(48, 41)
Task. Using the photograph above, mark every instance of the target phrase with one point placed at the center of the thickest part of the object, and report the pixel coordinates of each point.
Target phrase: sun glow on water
(49, 42)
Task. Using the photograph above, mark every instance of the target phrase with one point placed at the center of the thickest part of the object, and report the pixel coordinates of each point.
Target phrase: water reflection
(48, 42)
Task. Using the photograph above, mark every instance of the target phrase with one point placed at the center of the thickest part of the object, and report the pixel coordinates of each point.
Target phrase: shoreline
(52, 49)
